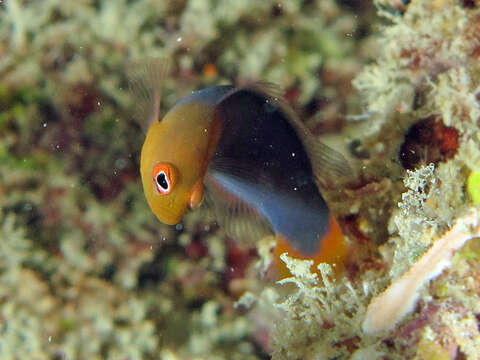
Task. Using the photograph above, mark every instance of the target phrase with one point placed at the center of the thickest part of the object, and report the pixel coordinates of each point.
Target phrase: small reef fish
(245, 151)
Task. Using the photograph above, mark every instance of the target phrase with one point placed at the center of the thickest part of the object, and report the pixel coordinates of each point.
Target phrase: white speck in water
(293, 154)
(57, 147)
(44, 124)
(349, 35)
(99, 103)
(151, 247)
(50, 339)
(295, 189)
(205, 130)
(120, 163)
(179, 39)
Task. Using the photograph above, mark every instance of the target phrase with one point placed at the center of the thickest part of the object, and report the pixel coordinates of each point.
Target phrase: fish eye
(164, 178)
(162, 181)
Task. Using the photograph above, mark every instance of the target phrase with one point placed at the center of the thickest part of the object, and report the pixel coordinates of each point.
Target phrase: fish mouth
(170, 213)
(169, 219)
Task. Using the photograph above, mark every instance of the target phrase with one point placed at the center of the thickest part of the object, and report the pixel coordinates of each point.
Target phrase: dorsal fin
(146, 80)
(329, 166)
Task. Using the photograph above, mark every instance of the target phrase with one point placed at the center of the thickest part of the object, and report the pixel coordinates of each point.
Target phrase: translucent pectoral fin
(237, 215)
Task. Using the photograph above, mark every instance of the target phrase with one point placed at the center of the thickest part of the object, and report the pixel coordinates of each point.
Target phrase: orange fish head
(172, 165)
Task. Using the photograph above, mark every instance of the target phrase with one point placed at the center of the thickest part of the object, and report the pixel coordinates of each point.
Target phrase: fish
(242, 151)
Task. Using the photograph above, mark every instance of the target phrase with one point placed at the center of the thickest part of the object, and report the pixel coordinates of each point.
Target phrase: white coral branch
(388, 308)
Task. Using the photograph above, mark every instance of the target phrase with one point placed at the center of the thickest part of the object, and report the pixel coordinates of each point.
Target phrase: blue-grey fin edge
(329, 166)
(262, 225)
(146, 82)
(237, 218)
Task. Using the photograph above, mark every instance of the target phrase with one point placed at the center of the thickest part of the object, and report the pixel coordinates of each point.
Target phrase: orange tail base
(333, 251)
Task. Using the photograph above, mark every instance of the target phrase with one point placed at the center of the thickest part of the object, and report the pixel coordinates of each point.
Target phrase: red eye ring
(164, 178)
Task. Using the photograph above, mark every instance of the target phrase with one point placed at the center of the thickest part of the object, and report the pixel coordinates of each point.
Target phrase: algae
(87, 272)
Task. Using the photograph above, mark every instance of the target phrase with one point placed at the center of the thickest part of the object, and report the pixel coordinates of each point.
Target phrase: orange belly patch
(333, 251)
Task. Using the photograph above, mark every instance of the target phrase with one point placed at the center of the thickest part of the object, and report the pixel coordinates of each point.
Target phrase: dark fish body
(261, 159)
(246, 152)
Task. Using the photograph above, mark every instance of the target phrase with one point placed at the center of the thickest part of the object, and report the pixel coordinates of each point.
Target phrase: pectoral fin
(231, 198)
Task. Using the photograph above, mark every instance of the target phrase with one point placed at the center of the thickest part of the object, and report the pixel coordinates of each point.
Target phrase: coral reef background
(87, 272)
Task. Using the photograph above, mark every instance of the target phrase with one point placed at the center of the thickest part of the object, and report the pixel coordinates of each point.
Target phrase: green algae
(87, 272)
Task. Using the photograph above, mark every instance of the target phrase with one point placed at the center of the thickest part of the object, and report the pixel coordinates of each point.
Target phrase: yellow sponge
(473, 186)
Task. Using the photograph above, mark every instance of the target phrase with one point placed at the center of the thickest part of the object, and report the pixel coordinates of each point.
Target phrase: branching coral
(322, 316)
(428, 206)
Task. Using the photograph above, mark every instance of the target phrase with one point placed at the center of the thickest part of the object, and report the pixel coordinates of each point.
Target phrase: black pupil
(162, 181)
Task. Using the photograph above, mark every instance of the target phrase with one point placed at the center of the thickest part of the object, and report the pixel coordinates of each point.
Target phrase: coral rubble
(86, 271)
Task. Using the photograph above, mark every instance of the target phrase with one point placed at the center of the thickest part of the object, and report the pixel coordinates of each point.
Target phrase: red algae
(427, 141)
